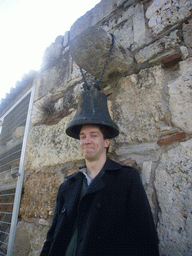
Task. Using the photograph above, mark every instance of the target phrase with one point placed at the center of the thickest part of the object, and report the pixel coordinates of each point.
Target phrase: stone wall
(151, 103)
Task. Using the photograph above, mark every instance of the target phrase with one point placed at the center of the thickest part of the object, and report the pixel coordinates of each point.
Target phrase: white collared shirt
(84, 171)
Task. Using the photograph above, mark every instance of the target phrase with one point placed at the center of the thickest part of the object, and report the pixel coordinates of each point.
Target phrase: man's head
(94, 141)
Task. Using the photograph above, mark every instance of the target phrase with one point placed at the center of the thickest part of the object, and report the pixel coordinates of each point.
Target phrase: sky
(27, 28)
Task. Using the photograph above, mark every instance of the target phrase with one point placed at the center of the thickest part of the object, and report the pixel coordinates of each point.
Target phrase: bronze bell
(92, 109)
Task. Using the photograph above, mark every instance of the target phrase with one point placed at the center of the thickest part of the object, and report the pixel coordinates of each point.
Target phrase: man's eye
(82, 137)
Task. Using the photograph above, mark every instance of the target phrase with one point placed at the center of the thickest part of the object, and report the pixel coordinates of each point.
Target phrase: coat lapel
(72, 193)
(98, 183)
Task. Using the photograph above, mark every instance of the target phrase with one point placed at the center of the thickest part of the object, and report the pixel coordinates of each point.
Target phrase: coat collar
(97, 184)
(109, 165)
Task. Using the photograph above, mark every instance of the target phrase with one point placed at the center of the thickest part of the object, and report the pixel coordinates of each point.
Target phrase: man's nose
(87, 139)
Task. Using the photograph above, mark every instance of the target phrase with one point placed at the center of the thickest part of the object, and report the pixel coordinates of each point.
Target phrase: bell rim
(73, 130)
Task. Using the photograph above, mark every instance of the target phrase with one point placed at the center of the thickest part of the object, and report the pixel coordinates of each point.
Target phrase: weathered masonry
(148, 83)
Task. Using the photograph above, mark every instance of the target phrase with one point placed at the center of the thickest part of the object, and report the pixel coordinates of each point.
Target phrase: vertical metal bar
(20, 179)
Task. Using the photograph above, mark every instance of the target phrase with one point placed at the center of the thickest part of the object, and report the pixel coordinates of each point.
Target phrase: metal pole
(20, 179)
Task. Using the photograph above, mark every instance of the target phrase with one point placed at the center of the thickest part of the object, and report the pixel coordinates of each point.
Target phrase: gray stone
(180, 103)
(66, 39)
(19, 132)
(53, 53)
(173, 181)
(92, 17)
(54, 79)
(164, 47)
(124, 33)
(184, 52)
(29, 239)
(128, 26)
(59, 105)
(165, 13)
(148, 52)
(48, 80)
(139, 29)
(144, 148)
(43, 222)
(187, 34)
(146, 172)
(78, 89)
(90, 49)
(49, 145)
(138, 106)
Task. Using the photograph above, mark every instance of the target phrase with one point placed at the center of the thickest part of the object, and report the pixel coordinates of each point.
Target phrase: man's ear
(107, 143)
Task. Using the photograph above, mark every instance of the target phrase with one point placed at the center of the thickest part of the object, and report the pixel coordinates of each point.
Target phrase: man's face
(92, 143)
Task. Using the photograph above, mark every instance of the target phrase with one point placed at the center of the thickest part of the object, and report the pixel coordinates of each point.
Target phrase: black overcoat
(114, 216)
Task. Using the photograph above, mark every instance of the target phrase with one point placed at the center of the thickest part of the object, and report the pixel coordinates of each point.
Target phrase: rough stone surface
(29, 239)
(45, 222)
(139, 26)
(164, 46)
(187, 34)
(184, 52)
(90, 49)
(92, 17)
(138, 106)
(19, 132)
(61, 75)
(128, 26)
(173, 181)
(180, 103)
(49, 145)
(48, 80)
(139, 153)
(53, 53)
(66, 39)
(146, 172)
(136, 149)
(39, 196)
(165, 13)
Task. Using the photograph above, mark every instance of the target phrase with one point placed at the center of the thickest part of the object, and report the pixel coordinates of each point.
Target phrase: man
(102, 209)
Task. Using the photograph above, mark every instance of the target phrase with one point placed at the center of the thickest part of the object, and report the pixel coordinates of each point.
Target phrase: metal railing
(13, 141)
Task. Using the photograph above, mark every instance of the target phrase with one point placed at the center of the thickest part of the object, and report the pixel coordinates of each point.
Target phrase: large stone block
(139, 29)
(49, 79)
(187, 35)
(139, 106)
(90, 50)
(158, 50)
(29, 239)
(180, 92)
(173, 181)
(39, 197)
(92, 17)
(49, 145)
(165, 13)
(53, 53)
(128, 26)
(54, 79)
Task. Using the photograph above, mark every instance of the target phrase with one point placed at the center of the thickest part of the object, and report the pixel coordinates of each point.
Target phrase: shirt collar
(84, 171)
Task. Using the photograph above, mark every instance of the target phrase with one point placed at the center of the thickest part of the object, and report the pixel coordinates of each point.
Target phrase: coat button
(63, 210)
(98, 205)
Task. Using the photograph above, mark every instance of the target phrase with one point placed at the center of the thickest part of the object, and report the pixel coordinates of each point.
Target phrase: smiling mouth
(88, 148)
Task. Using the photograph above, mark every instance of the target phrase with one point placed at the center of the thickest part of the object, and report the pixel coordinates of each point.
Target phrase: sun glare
(29, 27)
